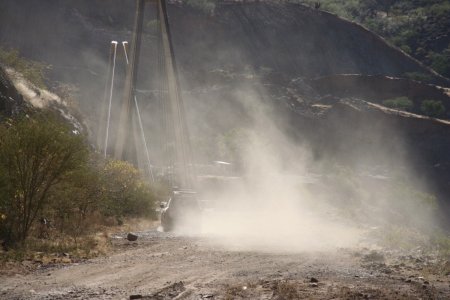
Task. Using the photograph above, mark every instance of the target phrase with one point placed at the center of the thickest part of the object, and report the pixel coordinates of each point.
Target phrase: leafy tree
(80, 195)
(402, 103)
(126, 193)
(432, 108)
(440, 62)
(36, 153)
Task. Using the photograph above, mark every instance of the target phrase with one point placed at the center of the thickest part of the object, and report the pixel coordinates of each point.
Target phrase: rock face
(292, 39)
(288, 38)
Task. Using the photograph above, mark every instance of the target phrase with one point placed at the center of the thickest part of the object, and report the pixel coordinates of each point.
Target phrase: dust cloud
(284, 199)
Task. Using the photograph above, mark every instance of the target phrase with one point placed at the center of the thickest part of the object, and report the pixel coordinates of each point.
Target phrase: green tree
(402, 103)
(127, 194)
(432, 108)
(78, 196)
(36, 153)
(440, 62)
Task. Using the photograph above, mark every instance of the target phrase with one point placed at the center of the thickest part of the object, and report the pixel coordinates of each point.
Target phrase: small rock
(426, 282)
(314, 279)
(313, 284)
(207, 296)
(132, 297)
(132, 238)
(408, 280)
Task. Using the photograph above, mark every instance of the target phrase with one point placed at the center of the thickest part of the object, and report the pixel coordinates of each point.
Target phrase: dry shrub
(286, 291)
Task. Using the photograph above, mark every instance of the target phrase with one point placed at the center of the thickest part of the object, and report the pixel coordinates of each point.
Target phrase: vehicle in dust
(182, 212)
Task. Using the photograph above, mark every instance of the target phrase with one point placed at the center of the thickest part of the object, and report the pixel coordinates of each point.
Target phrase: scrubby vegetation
(432, 108)
(53, 186)
(31, 70)
(418, 27)
(401, 103)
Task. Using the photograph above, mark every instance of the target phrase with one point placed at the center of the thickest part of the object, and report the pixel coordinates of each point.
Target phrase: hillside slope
(244, 51)
(420, 28)
(11, 102)
(293, 39)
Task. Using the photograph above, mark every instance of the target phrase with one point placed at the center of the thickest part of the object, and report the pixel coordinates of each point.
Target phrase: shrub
(440, 62)
(126, 193)
(418, 76)
(35, 155)
(75, 200)
(401, 103)
(432, 108)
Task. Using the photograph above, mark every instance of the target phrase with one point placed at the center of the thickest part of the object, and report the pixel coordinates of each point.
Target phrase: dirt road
(167, 266)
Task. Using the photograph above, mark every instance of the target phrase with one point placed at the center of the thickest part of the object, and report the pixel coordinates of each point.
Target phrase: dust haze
(286, 198)
(285, 190)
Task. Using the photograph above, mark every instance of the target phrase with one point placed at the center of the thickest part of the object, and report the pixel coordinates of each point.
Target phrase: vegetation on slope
(421, 28)
(53, 187)
(32, 70)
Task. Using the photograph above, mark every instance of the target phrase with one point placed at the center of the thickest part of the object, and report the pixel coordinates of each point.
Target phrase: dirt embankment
(377, 88)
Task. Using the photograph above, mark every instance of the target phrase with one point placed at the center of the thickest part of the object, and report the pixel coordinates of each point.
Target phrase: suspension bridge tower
(178, 162)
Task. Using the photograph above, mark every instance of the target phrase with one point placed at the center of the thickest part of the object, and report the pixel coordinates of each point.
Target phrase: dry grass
(60, 248)
(286, 290)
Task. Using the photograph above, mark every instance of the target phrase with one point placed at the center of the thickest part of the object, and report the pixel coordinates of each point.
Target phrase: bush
(97, 193)
(46, 172)
(440, 62)
(74, 202)
(126, 193)
(401, 103)
(35, 155)
(432, 108)
(418, 76)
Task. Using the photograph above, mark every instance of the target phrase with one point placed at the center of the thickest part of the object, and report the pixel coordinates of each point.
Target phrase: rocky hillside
(296, 40)
(290, 57)
(420, 28)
